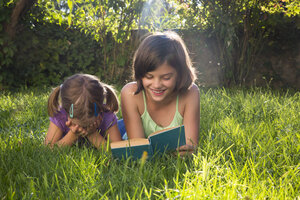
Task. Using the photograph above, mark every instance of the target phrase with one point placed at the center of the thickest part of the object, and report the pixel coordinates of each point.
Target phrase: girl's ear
(111, 99)
(53, 101)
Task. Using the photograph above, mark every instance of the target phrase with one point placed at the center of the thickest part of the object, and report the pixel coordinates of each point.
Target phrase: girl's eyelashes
(164, 77)
(167, 78)
(148, 76)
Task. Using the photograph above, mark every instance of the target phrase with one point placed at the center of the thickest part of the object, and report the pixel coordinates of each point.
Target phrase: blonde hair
(84, 91)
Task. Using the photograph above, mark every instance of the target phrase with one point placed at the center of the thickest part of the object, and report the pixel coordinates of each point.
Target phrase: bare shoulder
(189, 100)
(192, 93)
(131, 101)
(128, 95)
(129, 89)
(194, 88)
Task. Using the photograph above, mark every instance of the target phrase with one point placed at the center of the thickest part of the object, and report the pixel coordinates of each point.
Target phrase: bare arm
(114, 134)
(98, 140)
(54, 136)
(191, 118)
(130, 112)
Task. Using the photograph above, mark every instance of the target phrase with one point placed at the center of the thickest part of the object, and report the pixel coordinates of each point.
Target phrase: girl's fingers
(68, 123)
(92, 125)
(85, 134)
(83, 131)
(76, 127)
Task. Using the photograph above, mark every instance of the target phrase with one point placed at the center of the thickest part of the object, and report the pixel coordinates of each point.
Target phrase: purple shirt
(61, 117)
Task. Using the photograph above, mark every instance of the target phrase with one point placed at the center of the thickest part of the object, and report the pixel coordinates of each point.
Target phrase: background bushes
(49, 52)
(231, 42)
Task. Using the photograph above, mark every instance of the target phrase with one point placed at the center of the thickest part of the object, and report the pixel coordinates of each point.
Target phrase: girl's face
(160, 83)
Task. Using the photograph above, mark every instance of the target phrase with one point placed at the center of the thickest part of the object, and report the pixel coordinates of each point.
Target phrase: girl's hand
(76, 129)
(92, 128)
(187, 149)
(84, 131)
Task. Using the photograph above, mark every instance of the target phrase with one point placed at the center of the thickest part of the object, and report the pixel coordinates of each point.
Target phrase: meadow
(249, 143)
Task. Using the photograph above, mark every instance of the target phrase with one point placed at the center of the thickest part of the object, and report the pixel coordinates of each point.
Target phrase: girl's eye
(167, 78)
(148, 76)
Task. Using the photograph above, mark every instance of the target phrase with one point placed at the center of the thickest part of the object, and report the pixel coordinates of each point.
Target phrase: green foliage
(232, 24)
(159, 15)
(240, 30)
(108, 22)
(47, 54)
(54, 43)
(7, 47)
(248, 149)
(287, 7)
(58, 38)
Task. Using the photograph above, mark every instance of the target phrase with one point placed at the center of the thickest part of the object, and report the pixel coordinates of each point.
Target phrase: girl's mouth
(158, 92)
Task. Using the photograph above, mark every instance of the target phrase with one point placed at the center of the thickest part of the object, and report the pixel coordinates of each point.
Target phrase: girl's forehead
(165, 68)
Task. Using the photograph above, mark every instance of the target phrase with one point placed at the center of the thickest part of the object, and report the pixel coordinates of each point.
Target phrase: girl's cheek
(170, 82)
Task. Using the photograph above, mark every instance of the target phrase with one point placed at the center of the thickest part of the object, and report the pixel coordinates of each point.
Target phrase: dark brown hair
(83, 91)
(158, 48)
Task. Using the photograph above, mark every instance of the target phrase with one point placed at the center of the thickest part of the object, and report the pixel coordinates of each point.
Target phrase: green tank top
(150, 126)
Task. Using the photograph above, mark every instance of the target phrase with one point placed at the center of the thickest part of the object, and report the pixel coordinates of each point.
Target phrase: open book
(158, 142)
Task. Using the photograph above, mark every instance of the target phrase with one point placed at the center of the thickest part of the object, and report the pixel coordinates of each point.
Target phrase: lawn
(248, 149)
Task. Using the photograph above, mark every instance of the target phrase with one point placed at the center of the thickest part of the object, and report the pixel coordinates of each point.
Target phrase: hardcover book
(158, 142)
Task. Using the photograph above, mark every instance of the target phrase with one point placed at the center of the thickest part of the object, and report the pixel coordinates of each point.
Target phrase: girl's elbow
(48, 143)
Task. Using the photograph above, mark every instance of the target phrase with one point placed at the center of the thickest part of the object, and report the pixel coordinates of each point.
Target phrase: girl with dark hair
(164, 94)
(82, 109)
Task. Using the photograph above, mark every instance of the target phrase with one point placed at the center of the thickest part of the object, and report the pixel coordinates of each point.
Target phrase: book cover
(168, 139)
(159, 142)
(133, 147)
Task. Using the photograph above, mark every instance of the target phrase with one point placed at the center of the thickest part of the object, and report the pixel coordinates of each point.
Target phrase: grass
(248, 149)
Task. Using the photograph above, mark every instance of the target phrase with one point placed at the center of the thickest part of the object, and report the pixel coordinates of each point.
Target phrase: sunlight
(152, 16)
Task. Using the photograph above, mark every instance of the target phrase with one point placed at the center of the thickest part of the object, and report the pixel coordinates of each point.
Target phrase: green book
(157, 143)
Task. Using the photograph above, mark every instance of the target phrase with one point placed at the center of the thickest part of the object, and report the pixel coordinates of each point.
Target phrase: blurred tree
(17, 8)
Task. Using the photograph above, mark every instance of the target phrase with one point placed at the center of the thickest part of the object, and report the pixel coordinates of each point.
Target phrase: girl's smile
(158, 92)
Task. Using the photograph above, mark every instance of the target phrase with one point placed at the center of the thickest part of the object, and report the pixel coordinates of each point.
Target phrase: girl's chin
(158, 96)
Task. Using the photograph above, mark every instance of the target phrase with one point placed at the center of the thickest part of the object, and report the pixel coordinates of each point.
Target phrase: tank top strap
(144, 98)
(177, 100)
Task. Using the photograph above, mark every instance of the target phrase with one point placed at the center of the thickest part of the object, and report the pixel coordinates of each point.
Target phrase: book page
(130, 142)
(162, 131)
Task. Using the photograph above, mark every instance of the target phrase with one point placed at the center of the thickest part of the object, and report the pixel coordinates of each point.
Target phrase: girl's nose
(156, 83)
